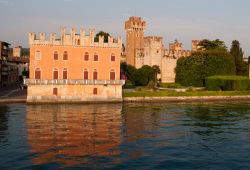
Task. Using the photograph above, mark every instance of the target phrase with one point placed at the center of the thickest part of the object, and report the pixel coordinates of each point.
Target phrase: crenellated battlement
(195, 45)
(85, 38)
(135, 23)
(153, 39)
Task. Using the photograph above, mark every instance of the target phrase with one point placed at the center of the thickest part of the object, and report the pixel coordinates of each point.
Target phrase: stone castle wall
(153, 50)
(168, 66)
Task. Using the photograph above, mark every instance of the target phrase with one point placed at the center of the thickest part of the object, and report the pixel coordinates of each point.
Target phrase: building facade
(8, 68)
(74, 68)
(150, 50)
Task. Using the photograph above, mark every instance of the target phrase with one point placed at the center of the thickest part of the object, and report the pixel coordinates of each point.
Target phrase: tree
(141, 76)
(25, 72)
(237, 53)
(156, 71)
(25, 52)
(193, 70)
(212, 45)
(104, 34)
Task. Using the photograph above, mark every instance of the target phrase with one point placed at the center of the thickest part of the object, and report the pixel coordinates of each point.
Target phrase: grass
(229, 77)
(171, 85)
(180, 94)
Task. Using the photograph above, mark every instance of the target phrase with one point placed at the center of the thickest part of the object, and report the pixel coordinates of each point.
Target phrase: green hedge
(227, 83)
(193, 70)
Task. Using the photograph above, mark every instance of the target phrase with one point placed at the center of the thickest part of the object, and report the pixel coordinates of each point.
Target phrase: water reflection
(209, 120)
(3, 122)
(71, 134)
(140, 119)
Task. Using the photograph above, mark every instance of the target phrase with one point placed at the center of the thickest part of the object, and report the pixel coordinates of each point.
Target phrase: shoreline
(141, 100)
(185, 99)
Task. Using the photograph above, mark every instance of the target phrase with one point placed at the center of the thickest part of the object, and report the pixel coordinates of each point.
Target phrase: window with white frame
(38, 55)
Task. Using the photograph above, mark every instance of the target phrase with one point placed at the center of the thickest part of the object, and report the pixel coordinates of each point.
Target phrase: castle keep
(74, 68)
(149, 50)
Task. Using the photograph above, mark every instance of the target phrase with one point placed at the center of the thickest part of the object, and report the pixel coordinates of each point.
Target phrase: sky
(183, 20)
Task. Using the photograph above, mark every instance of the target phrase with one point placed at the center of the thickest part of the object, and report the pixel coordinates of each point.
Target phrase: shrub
(141, 76)
(227, 83)
(128, 85)
(193, 70)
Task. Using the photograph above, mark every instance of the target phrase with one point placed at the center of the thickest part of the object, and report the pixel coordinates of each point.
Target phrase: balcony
(73, 82)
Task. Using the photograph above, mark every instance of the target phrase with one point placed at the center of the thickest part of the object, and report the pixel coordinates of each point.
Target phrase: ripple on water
(129, 136)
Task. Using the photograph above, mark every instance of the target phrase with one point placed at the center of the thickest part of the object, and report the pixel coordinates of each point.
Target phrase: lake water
(129, 136)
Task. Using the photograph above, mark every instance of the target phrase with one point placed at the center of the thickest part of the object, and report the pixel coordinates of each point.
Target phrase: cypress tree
(237, 53)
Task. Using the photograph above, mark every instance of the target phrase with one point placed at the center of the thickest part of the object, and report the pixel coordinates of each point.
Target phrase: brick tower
(134, 27)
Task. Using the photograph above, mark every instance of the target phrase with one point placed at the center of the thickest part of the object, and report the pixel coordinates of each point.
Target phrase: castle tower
(195, 45)
(134, 27)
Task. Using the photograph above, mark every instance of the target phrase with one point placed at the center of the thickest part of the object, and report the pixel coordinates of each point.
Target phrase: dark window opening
(96, 57)
(55, 55)
(112, 58)
(65, 74)
(86, 57)
(55, 91)
(86, 75)
(38, 74)
(95, 75)
(55, 74)
(65, 55)
(95, 91)
(112, 75)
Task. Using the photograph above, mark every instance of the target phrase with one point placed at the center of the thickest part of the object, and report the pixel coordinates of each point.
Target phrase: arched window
(56, 55)
(112, 74)
(37, 73)
(86, 56)
(65, 55)
(96, 57)
(85, 74)
(78, 42)
(112, 57)
(95, 75)
(55, 74)
(65, 74)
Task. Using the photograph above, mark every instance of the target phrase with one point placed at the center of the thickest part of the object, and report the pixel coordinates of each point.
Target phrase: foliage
(25, 52)
(141, 76)
(128, 85)
(156, 71)
(130, 72)
(237, 53)
(151, 84)
(227, 83)
(212, 45)
(104, 34)
(192, 71)
(25, 73)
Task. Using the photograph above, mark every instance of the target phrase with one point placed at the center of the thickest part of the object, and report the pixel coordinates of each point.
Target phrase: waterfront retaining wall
(74, 93)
